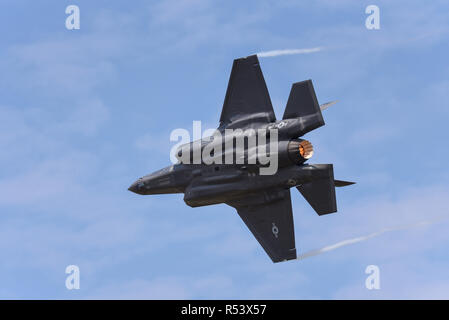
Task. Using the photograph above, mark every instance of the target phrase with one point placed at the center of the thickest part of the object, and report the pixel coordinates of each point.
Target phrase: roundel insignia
(275, 230)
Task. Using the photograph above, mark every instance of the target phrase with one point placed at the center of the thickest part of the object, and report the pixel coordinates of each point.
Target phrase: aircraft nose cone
(135, 188)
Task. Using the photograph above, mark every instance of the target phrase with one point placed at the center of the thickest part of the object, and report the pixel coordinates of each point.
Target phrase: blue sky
(83, 113)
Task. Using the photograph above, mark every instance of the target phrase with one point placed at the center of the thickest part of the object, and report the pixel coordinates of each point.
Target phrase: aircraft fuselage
(212, 184)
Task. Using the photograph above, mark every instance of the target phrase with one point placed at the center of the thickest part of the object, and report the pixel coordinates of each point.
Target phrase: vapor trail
(275, 53)
(363, 238)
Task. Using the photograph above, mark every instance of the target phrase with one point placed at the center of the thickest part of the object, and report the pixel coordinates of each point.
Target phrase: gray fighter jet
(262, 200)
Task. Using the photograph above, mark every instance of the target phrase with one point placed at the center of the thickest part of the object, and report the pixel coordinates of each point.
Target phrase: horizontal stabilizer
(320, 193)
(302, 103)
(341, 183)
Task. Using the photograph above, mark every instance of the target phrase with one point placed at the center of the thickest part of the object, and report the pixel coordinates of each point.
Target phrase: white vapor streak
(362, 238)
(275, 53)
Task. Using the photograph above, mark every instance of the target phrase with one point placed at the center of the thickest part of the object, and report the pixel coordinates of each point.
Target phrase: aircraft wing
(247, 95)
(270, 219)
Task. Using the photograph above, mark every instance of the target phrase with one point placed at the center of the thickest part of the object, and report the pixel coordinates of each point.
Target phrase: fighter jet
(262, 200)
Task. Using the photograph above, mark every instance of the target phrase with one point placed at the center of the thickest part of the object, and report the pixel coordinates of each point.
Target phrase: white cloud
(85, 118)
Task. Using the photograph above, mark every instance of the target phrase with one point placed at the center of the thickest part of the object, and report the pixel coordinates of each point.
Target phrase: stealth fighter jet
(262, 200)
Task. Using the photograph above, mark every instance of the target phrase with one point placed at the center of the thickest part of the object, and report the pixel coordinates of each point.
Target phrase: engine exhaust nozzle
(305, 149)
(299, 150)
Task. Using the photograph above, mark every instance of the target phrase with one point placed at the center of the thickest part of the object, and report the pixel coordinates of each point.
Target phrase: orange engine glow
(306, 149)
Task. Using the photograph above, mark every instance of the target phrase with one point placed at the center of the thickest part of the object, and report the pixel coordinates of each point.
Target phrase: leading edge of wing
(247, 94)
(269, 217)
